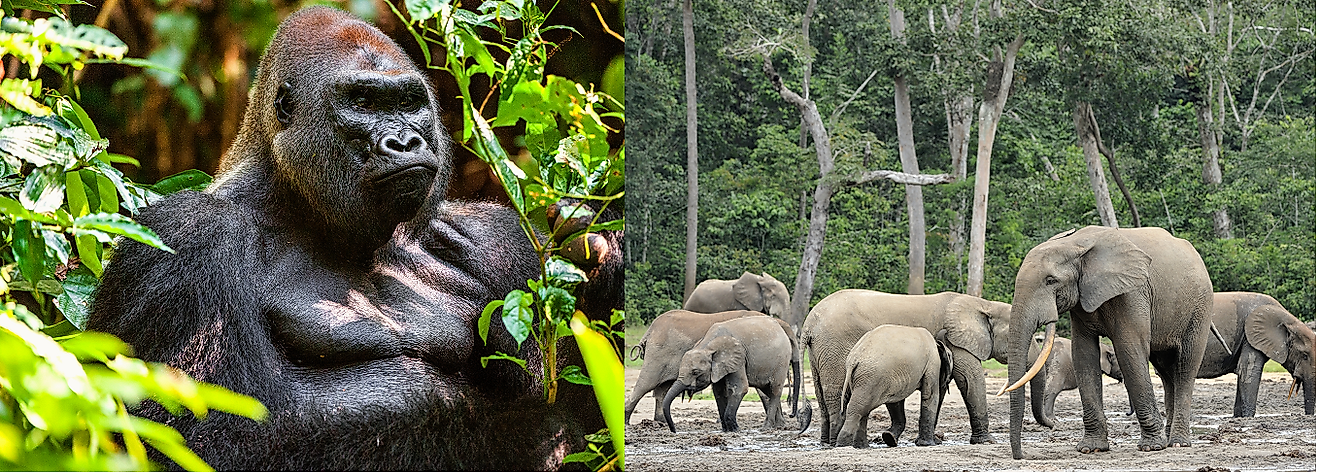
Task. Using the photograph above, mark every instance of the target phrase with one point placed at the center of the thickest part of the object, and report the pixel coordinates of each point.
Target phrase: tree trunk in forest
(1113, 168)
(958, 114)
(690, 84)
(907, 155)
(999, 77)
(803, 133)
(1086, 138)
(1210, 173)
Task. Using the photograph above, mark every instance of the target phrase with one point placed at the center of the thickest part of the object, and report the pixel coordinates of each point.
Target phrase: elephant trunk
(1305, 387)
(674, 390)
(797, 384)
(1024, 325)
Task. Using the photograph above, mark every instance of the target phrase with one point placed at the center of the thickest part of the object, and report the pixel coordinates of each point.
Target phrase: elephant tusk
(1296, 383)
(1035, 368)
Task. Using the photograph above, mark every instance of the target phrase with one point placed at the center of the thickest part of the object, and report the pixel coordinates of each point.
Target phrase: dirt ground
(1279, 437)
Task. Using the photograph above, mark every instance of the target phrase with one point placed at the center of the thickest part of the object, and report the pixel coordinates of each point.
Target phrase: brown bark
(690, 84)
(999, 76)
(1086, 138)
(1210, 173)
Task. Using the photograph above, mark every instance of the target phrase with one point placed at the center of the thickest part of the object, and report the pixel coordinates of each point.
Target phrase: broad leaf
(120, 225)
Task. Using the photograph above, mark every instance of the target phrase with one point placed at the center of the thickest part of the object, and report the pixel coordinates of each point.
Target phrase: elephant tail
(638, 351)
(847, 389)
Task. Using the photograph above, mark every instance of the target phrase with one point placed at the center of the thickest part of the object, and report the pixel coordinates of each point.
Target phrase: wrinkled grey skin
(763, 294)
(888, 364)
(1146, 290)
(1058, 376)
(670, 336)
(1257, 328)
(977, 330)
(734, 355)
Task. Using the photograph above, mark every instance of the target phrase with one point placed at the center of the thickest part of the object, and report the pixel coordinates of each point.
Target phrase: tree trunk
(958, 113)
(690, 80)
(1086, 138)
(907, 154)
(1113, 169)
(1210, 173)
(999, 76)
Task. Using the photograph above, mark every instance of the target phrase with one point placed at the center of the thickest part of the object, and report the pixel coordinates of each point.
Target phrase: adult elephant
(1058, 375)
(1146, 290)
(1257, 328)
(734, 355)
(763, 294)
(977, 330)
(670, 336)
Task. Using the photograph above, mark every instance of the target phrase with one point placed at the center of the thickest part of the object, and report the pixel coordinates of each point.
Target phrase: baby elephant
(734, 355)
(1057, 376)
(883, 368)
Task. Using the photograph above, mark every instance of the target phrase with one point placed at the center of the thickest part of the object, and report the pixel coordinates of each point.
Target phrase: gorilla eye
(283, 105)
(361, 101)
(1050, 280)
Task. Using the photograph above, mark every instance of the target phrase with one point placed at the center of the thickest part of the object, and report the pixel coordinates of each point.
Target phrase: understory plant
(561, 124)
(65, 394)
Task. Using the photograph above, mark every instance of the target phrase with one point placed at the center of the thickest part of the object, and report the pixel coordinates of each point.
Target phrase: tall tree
(690, 85)
(1088, 138)
(907, 154)
(998, 79)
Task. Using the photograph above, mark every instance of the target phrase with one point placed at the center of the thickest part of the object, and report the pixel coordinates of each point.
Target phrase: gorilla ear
(747, 290)
(1111, 265)
(283, 105)
(1266, 331)
(968, 328)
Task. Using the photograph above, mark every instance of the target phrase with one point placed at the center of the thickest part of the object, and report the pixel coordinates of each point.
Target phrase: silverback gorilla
(324, 274)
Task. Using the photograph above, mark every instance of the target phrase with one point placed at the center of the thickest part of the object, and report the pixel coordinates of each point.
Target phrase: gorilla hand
(568, 217)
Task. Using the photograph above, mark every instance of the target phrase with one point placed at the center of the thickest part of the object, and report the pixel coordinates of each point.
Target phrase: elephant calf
(883, 368)
(1058, 376)
(734, 355)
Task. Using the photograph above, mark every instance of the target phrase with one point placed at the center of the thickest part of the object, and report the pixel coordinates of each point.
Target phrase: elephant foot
(983, 438)
(929, 441)
(1180, 442)
(889, 438)
(1047, 423)
(1093, 445)
(1150, 444)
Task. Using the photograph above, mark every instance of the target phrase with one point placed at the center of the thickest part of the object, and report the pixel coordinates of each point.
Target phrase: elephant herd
(1144, 289)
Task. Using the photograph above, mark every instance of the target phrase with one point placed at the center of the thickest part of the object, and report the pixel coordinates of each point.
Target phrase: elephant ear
(1110, 265)
(968, 328)
(747, 290)
(729, 358)
(1267, 331)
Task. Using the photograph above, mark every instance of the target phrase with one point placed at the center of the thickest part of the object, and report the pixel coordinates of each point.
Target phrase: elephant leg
(1161, 363)
(646, 382)
(930, 411)
(1250, 365)
(897, 423)
(1047, 408)
(721, 403)
(1085, 356)
(1180, 365)
(853, 430)
(774, 413)
(731, 412)
(970, 377)
(829, 400)
(659, 394)
(1132, 347)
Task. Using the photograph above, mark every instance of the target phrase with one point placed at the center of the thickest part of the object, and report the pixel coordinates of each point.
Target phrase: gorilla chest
(326, 315)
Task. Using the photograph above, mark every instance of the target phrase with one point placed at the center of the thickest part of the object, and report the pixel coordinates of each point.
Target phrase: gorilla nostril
(403, 143)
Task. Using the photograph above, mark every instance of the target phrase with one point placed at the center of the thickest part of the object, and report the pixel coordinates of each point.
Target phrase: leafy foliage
(65, 394)
(563, 129)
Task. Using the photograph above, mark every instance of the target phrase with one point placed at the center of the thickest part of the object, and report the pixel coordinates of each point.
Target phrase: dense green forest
(1170, 86)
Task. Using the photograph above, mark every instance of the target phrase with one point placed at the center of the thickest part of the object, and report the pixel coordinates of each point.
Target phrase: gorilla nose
(404, 143)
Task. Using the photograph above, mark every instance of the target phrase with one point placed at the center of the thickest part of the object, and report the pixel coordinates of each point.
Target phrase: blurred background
(171, 124)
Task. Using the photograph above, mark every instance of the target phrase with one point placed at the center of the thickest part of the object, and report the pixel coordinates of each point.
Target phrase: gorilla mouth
(404, 172)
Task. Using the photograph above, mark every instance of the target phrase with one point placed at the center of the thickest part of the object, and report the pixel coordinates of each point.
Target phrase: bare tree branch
(900, 178)
(838, 111)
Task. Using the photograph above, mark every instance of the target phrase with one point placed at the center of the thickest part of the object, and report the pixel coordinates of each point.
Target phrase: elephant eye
(1051, 280)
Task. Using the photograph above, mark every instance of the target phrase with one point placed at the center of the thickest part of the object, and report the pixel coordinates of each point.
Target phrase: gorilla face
(352, 110)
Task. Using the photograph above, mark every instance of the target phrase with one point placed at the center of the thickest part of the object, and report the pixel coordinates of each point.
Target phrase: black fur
(340, 293)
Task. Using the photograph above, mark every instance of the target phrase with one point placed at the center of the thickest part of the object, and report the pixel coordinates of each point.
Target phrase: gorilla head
(342, 106)
(324, 274)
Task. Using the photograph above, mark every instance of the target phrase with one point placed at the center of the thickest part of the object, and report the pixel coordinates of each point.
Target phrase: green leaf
(29, 250)
(120, 225)
(192, 179)
(559, 303)
(105, 188)
(228, 401)
(88, 248)
(582, 457)
(77, 194)
(609, 225)
(483, 323)
(44, 190)
(422, 10)
(76, 300)
(57, 247)
(12, 208)
(573, 374)
(538, 196)
(517, 315)
(562, 272)
(502, 356)
(607, 376)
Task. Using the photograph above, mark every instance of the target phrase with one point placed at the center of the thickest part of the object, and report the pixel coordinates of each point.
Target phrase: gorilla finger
(568, 217)
(587, 251)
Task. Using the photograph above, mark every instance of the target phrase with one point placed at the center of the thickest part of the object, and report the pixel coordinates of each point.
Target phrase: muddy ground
(1280, 437)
